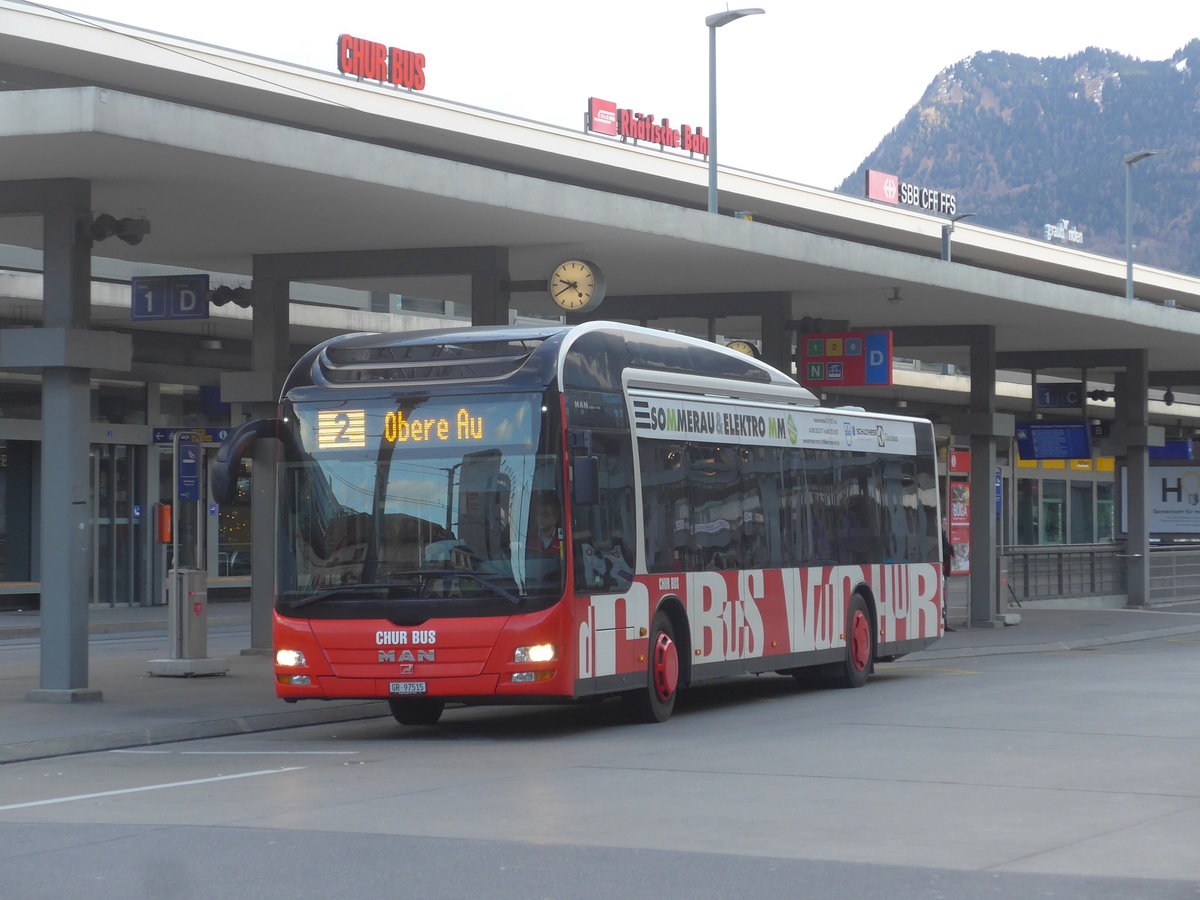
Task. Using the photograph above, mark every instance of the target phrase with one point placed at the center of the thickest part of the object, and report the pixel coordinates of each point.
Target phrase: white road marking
(247, 752)
(268, 753)
(148, 787)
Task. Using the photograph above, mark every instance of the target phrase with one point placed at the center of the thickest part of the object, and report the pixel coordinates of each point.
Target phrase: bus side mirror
(224, 472)
(585, 479)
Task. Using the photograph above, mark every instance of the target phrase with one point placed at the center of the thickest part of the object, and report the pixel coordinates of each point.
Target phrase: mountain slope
(1024, 142)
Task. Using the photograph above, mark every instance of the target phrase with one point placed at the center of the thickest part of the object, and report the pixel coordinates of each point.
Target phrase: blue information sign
(190, 435)
(1046, 440)
(1067, 395)
(157, 297)
(878, 363)
(188, 487)
(1172, 450)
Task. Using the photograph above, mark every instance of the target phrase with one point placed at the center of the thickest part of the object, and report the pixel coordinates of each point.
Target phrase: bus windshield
(443, 503)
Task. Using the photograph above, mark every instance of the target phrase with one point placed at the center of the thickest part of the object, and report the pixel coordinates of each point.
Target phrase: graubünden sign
(890, 189)
(605, 117)
(378, 62)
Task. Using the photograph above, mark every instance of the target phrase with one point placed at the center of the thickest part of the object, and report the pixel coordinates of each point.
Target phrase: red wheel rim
(664, 667)
(860, 640)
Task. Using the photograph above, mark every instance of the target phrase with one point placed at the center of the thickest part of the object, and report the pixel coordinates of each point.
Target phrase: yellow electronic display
(499, 422)
(341, 428)
(399, 429)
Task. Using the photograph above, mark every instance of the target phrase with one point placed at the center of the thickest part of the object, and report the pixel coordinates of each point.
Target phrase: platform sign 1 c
(159, 297)
(846, 359)
(1060, 395)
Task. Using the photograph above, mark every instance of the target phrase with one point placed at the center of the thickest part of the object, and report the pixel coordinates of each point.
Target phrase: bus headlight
(536, 653)
(290, 658)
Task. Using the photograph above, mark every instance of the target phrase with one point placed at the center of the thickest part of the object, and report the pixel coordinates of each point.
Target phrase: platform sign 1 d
(846, 359)
(158, 297)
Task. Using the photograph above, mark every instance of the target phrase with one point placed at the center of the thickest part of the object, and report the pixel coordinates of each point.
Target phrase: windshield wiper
(378, 591)
(462, 573)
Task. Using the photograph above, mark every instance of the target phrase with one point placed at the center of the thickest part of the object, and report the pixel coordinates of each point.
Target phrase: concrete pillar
(270, 358)
(985, 604)
(1133, 430)
(490, 294)
(776, 337)
(65, 489)
(985, 427)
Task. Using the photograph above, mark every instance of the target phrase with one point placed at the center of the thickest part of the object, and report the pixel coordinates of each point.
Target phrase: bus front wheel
(416, 710)
(656, 701)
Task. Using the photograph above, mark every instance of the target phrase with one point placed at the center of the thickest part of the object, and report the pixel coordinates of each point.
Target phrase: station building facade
(341, 205)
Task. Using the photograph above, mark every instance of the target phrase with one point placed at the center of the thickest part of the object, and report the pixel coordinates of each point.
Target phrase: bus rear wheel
(416, 710)
(852, 672)
(656, 701)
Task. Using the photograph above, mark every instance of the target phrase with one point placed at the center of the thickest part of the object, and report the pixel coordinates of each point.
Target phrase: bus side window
(603, 531)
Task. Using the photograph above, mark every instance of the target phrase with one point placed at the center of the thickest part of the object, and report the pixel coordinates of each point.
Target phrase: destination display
(677, 418)
(483, 423)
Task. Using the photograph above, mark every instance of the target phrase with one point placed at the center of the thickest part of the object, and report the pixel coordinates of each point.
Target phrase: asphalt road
(1068, 774)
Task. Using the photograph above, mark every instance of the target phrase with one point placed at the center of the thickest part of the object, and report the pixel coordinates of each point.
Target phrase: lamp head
(716, 20)
(1131, 158)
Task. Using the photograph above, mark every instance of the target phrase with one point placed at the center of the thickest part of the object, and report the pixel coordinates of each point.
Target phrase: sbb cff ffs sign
(847, 359)
(890, 189)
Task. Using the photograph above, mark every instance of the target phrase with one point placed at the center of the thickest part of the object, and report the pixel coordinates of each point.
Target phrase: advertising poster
(1172, 499)
(960, 527)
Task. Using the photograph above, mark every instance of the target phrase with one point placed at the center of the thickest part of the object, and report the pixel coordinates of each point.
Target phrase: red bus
(516, 515)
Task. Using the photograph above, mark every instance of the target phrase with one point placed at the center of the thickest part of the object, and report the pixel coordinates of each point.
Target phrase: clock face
(576, 285)
(743, 347)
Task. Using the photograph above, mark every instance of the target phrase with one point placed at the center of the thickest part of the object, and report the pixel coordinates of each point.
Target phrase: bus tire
(656, 701)
(416, 710)
(852, 672)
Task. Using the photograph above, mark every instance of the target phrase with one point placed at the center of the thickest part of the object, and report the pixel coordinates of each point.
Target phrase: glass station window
(1083, 522)
(119, 402)
(1105, 527)
(20, 397)
(1027, 511)
(1054, 511)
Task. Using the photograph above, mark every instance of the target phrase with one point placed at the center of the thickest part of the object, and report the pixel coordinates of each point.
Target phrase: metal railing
(1097, 570)
(1174, 574)
(1076, 570)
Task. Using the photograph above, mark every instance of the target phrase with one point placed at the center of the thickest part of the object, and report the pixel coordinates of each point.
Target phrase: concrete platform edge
(187, 731)
(965, 652)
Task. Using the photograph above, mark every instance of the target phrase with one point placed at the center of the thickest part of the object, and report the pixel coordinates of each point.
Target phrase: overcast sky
(806, 91)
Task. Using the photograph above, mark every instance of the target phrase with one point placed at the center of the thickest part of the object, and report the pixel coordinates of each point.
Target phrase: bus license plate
(406, 687)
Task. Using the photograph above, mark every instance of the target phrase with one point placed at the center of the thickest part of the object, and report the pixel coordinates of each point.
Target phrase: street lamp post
(947, 230)
(1130, 159)
(715, 21)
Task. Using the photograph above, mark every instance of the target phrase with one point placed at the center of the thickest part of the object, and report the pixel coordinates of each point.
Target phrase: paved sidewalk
(138, 709)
